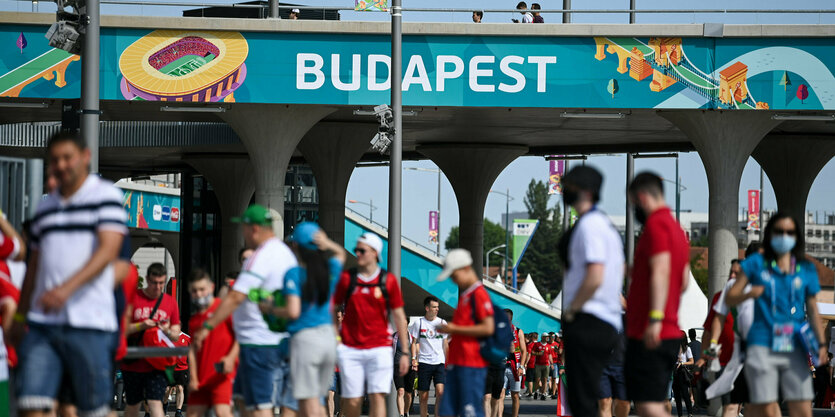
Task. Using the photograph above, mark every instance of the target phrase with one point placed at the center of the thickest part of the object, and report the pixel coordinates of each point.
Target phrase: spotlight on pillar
(385, 132)
(583, 115)
(805, 117)
(67, 33)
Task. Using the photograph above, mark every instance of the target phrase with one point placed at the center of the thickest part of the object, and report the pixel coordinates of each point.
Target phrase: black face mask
(640, 216)
(570, 196)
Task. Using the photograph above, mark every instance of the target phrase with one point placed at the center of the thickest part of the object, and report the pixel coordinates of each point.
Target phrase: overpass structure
(482, 96)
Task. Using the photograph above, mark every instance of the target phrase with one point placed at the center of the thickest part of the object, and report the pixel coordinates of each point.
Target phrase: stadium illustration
(190, 66)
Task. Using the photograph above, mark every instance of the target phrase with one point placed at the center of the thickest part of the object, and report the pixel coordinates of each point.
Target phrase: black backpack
(381, 283)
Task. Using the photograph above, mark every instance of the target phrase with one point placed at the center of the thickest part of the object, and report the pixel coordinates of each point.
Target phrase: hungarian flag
(21, 42)
(562, 405)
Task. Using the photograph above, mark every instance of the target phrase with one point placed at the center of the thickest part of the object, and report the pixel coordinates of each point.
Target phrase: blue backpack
(495, 348)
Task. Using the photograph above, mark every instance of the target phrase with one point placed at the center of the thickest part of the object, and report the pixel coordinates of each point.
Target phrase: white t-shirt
(744, 311)
(685, 356)
(264, 270)
(431, 342)
(595, 241)
(527, 18)
(65, 233)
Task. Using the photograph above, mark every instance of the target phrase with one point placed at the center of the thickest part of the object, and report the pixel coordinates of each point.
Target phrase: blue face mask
(782, 244)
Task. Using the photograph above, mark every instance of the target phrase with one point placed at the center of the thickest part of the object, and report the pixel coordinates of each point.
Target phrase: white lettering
(475, 72)
(302, 70)
(373, 60)
(512, 73)
(541, 74)
(441, 74)
(416, 66)
(356, 73)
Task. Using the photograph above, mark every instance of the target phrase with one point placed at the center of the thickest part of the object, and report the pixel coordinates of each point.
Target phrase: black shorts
(648, 371)
(427, 373)
(494, 381)
(407, 382)
(613, 383)
(740, 395)
(530, 374)
(140, 386)
(181, 378)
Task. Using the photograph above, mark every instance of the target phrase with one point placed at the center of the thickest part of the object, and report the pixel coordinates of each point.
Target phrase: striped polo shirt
(65, 234)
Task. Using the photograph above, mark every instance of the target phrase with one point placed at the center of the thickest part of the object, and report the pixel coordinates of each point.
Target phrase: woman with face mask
(786, 327)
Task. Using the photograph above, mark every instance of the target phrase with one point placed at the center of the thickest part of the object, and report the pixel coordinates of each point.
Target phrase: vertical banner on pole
(371, 5)
(433, 227)
(523, 230)
(556, 169)
(753, 209)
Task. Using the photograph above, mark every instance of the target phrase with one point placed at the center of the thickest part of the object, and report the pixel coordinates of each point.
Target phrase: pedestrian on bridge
(594, 260)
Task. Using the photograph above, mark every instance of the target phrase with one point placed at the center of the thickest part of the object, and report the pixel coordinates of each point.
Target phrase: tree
(494, 235)
(612, 88)
(699, 273)
(802, 92)
(785, 81)
(541, 260)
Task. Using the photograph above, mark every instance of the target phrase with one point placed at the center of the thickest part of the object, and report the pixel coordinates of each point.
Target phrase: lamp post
(438, 249)
(508, 199)
(371, 208)
(487, 258)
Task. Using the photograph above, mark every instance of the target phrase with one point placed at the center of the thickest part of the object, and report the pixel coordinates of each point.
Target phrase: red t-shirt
(532, 358)
(545, 358)
(142, 306)
(7, 247)
(129, 289)
(8, 290)
(661, 234)
(465, 350)
(182, 361)
(726, 339)
(366, 323)
(555, 352)
(217, 345)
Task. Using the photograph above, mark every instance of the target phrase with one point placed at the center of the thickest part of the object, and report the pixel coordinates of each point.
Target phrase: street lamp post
(438, 249)
(371, 208)
(487, 258)
(508, 199)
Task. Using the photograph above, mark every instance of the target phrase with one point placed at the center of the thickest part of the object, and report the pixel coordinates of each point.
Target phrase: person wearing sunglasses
(786, 326)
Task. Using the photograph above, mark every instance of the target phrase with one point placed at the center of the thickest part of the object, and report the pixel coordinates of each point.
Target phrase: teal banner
(152, 211)
(493, 71)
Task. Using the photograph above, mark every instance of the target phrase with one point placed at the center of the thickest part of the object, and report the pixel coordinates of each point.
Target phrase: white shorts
(370, 368)
(768, 372)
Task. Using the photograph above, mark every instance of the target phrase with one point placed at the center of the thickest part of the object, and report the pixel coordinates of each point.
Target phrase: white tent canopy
(529, 288)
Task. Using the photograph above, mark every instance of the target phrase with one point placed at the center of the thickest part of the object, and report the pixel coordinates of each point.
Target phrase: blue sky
(421, 187)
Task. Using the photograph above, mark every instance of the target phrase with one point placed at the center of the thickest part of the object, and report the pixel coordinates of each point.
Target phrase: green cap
(255, 214)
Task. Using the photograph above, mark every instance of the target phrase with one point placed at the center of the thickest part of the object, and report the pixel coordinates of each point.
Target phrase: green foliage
(699, 273)
(541, 260)
(701, 242)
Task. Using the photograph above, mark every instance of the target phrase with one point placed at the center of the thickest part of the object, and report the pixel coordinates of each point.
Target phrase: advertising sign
(152, 211)
(753, 209)
(433, 227)
(556, 169)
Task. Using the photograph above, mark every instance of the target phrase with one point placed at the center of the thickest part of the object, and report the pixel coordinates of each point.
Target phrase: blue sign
(164, 210)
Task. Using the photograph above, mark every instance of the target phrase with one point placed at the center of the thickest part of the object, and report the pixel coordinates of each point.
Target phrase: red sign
(753, 209)
(175, 215)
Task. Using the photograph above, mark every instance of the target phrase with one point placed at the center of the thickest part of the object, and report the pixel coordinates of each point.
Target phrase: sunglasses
(778, 232)
(359, 251)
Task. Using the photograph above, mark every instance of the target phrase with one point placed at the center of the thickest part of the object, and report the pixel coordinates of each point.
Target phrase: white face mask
(202, 302)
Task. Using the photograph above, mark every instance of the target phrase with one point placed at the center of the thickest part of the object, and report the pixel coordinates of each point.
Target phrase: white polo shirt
(264, 270)
(65, 233)
(430, 341)
(744, 311)
(595, 241)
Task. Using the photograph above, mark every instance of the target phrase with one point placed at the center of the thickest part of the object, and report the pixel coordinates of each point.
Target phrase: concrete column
(792, 163)
(724, 140)
(233, 182)
(332, 150)
(270, 134)
(472, 169)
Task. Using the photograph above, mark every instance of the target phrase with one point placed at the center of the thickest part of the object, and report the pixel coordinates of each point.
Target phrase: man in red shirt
(181, 376)
(212, 367)
(530, 371)
(556, 364)
(142, 381)
(371, 295)
(659, 275)
(543, 351)
(473, 319)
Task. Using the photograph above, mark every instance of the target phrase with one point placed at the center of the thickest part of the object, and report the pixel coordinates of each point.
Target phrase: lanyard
(792, 278)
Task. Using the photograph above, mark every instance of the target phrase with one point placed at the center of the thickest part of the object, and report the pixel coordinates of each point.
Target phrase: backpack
(354, 282)
(496, 347)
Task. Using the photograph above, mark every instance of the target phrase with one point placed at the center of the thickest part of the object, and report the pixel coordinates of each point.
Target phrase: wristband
(656, 315)
(138, 326)
(19, 317)
(207, 326)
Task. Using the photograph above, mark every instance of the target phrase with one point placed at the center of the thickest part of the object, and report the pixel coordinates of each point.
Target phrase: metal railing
(411, 242)
(515, 291)
(448, 11)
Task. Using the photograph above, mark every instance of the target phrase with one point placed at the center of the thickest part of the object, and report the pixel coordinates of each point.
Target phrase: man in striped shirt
(67, 297)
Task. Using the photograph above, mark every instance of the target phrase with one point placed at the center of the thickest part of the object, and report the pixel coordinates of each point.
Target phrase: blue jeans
(264, 374)
(51, 352)
(462, 396)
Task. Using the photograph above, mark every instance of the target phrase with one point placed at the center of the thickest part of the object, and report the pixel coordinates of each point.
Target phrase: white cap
(296, 11)
(374, 241)
(455, 259)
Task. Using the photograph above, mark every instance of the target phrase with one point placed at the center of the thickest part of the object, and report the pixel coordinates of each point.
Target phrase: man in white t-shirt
(593, 254)
(67, 296)
(429, 349)
(264, 367)
(527, 17)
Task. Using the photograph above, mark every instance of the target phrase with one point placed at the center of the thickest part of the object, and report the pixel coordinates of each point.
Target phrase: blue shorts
(84, 356)
(613, 383)
(462, 396)
(264, 375)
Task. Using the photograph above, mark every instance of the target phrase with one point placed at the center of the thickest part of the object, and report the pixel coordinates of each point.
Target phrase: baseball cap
(255, 214)
(374, 241)
(455, 259)
(303, 234)
(296, 11)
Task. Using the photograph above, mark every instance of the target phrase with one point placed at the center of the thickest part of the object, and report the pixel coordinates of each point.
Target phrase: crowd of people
(294, 330)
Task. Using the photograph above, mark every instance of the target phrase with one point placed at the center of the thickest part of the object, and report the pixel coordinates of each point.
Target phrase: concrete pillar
(472, 169)
(332, 150)
(792, 163)
(233, 182)
(724, 140)
(270, 134)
